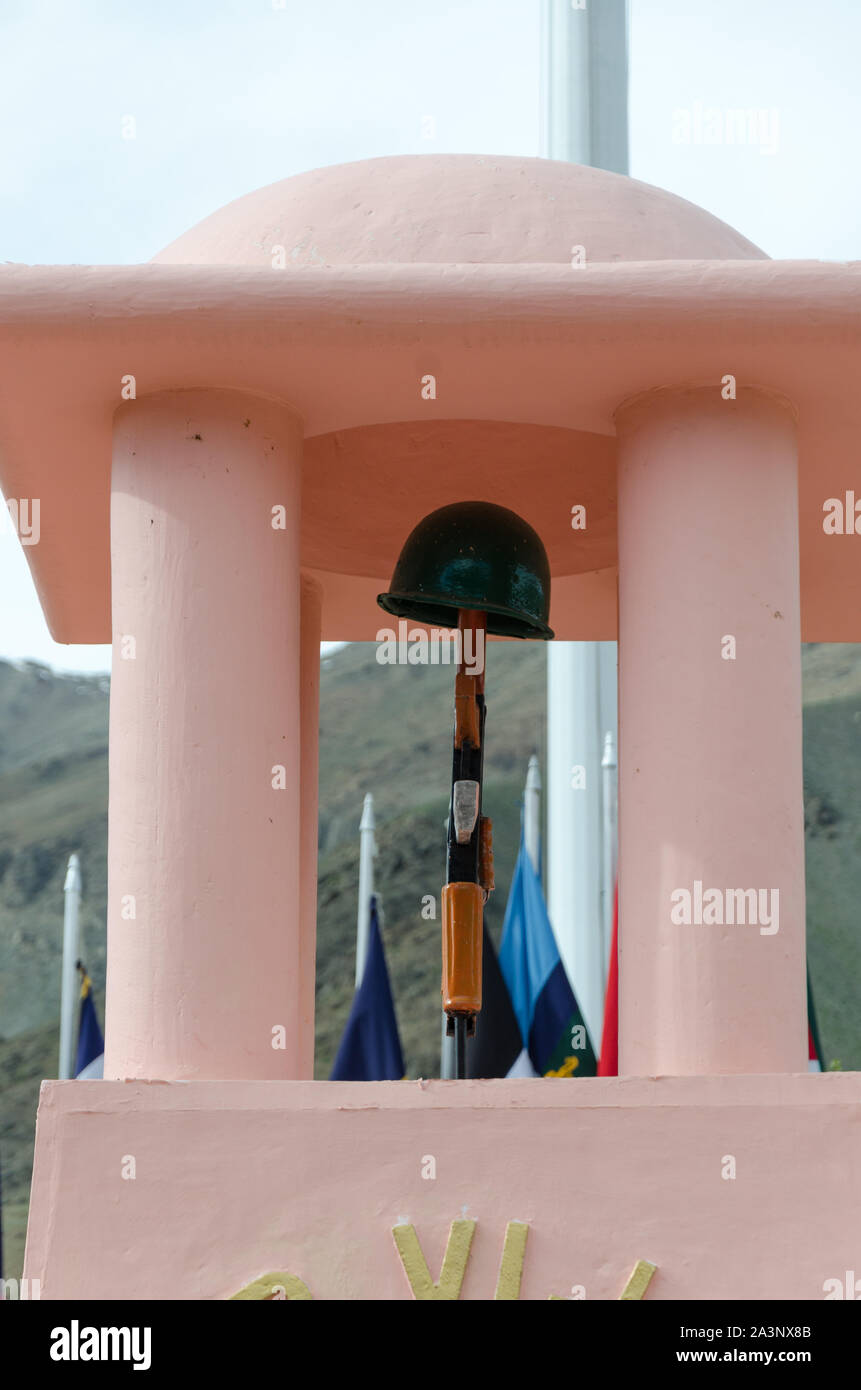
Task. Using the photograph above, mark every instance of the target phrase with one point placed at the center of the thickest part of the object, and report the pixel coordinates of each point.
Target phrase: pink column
(710, 746)
(309, 698)
(205, 970)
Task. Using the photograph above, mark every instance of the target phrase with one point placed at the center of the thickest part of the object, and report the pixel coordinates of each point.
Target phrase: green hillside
(386, 730)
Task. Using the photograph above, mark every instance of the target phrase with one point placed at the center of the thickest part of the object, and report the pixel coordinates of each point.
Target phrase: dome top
(456, 209)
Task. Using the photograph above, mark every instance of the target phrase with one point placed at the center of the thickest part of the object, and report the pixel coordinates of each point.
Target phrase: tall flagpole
(367, 851)
(609, 866)
(584, 83)
(584, 119)
(70, 989)
(532, 813)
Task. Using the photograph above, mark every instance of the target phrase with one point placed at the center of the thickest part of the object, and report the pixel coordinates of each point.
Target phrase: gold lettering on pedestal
(275, 1288)
(280, 1285)
(453, 1264)
(641, 1277)
(511, 1264)
(455, 1261)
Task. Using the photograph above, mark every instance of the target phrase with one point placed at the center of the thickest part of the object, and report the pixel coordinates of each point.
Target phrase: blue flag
(91, 1044)
(551, 1024)
(371, 1048)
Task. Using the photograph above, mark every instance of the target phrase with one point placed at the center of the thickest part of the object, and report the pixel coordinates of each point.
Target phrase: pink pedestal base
(235, 1179)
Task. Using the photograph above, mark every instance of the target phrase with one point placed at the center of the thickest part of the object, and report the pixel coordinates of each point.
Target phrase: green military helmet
(473, 555)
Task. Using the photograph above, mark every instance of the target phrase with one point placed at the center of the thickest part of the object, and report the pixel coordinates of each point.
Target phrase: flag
(551, 1026)
(371, 1047)
(609, 1062)
(497, 1044)
(816, 1057)
(91, 1044)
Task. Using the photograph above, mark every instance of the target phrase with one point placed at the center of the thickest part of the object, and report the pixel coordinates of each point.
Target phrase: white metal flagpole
(610, 803)
(575, 820)
(70, 989)
(532, 813)
(584, 82)
(584, 119)
(367, 852)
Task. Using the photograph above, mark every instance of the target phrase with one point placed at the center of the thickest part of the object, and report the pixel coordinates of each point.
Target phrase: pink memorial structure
(229, 446)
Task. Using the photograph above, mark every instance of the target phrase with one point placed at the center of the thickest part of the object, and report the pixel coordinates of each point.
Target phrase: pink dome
(455, 209)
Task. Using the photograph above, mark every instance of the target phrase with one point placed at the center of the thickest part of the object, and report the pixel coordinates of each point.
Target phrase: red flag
(609, 1062)
(815, 1054)
(811, 1051)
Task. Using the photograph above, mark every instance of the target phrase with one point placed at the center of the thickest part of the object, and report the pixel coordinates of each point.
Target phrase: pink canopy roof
(339, 290)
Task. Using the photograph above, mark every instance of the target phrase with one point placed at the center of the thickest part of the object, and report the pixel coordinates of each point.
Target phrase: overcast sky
(228, 95)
